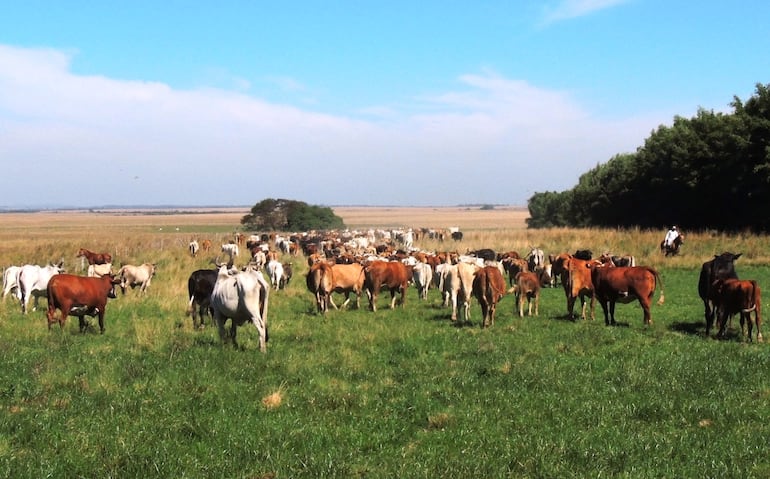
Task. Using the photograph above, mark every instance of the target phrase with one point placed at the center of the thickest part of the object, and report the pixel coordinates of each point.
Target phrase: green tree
(289, 215)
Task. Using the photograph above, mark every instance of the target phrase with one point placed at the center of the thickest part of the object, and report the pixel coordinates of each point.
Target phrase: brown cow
(576, 280)
(527, 288)
(488, 288)
(320, 282)
(206, 245)
(625, 284)
(94, 258)
(348, 278)
(731, 296)
(79, 296)
(393, 275)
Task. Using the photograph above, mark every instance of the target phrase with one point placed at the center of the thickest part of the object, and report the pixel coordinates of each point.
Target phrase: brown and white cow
(392, 275)
(527, 288)
(79, 296)
(488, 288)
(624, 285)
(734, 296)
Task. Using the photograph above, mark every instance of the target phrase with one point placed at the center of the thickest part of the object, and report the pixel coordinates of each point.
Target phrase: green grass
(401, 393)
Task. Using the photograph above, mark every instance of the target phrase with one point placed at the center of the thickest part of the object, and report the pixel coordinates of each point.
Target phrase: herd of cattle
(364, 267)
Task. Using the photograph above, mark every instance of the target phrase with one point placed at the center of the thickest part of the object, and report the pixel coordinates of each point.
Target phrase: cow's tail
(753, 307)
(659, 280)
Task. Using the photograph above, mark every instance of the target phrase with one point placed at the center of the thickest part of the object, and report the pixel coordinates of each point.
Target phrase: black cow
(584, 254)
(199, 286)
(485, 253)
(721, 267)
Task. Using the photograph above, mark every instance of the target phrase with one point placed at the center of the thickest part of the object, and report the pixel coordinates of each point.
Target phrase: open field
(396, 393)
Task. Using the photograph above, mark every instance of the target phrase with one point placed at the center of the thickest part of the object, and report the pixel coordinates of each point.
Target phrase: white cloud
(105, 141)
(567, 9)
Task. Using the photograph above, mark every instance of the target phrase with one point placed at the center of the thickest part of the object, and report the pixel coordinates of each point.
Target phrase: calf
(79, 296)
(527, 289)
(200, 284)
(733, 296)
(488, 288)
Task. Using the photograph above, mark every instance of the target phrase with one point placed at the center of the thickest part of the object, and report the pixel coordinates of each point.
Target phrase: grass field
(396, 393)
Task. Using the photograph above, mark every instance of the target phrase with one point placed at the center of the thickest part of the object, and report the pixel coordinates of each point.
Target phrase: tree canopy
(290, 215)
(711, 171)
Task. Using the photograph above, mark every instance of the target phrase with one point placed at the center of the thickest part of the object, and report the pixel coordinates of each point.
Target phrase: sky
(403, 103)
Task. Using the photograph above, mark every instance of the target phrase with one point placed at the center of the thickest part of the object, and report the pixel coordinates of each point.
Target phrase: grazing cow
(392, 275)
(230, 249)
(485, 253)
(99, 270)
(200, 284)
(275, 273)
(732, 296)
(624, 285)
(240, 296)
(94, 258)
(193, 248)
(720, 267)
(206, 245)
(33, 281)
(79, 296)
(134, 276)
(10, 281)
(535, 259)
(320, 282)
(422, 275)
(488, 287)
(527, 289)
(458, 287)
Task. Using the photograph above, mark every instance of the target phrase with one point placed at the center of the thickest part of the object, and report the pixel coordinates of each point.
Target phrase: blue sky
(351, 103)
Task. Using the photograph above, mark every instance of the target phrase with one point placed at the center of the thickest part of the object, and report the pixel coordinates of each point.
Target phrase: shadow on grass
(694, 328)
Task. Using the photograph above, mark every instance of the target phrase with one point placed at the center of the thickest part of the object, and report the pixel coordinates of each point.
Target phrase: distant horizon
(96, 209)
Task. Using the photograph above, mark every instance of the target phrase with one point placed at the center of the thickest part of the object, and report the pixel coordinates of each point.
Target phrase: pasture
(396, 393)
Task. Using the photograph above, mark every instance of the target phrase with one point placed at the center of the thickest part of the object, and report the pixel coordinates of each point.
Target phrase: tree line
(711, 171)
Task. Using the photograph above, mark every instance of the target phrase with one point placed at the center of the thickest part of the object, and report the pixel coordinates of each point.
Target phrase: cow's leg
(605, 309)
(571, 306)
(708, 314)
(520, 303)
(373, 298)
(537, 305)
(646, 308)
(453, 300)
(220, 320)
(82, 324)
(259, 323)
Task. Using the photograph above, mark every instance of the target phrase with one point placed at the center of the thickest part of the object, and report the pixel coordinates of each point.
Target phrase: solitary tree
(290, 215)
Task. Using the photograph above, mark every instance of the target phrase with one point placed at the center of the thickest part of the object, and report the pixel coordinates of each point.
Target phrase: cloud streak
(79, 140)
(569, 9)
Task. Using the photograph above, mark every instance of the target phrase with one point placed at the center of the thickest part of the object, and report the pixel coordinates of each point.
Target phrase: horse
(673, 248)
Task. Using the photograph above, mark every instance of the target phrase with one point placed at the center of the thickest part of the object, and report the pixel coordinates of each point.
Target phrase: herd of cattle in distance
(384, 260)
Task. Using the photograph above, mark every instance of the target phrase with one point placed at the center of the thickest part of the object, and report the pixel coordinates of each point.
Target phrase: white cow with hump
(241, 296)
(33, 281)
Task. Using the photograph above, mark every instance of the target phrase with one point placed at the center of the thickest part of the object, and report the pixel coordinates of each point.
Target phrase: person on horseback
(671, 235)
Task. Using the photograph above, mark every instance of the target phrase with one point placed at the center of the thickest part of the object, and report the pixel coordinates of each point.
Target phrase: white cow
(458, 287)
(275, 273)
(241, 296)
(99, 270)
(11, 281)
(133, 276)
(33, 281)
(193, 247)
(230, 249)
(422, 275)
